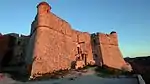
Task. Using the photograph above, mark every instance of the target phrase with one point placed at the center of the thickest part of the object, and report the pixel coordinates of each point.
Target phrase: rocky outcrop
(141, 65)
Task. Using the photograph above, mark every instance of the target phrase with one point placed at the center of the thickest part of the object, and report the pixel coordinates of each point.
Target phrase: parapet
(46, 19)
(109, 39)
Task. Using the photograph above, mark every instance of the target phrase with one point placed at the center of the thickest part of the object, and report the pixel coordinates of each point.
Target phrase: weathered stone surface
(4, 41)
(54, 45)
(54, 52)
(110, 52)
(79, 64)
(106, 51)
(86, 46)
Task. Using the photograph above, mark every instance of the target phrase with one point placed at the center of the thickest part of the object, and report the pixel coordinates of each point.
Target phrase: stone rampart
(110, 52)
(55, 43)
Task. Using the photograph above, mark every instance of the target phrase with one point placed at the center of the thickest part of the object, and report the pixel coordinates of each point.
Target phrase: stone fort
(54, 45)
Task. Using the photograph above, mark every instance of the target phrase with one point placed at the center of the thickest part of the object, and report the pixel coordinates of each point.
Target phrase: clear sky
(129, 18)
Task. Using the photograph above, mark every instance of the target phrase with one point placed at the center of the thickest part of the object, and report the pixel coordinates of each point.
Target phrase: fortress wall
(53, 51)
(111, 54)
(33, 26)
(96, 49)
(7, 46)
(4, 42)
(55, 43)
(86, 47)
(52, 45)
(30, 46)
(51, 21)
(29, 59)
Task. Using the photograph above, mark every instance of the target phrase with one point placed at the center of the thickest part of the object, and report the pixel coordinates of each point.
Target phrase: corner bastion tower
(54, 45)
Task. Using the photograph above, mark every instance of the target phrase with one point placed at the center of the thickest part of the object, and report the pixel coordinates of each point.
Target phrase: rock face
(141, 65)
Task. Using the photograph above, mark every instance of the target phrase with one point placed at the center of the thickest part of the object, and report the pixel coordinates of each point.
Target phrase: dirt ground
(76, 77)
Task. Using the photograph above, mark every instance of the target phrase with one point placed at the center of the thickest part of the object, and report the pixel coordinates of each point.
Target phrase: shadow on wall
(29, 52)
(73, 64)
(9, 53)
(10, 62)
(96, 49)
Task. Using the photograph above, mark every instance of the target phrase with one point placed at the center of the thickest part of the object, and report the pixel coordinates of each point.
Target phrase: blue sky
(130, 18)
